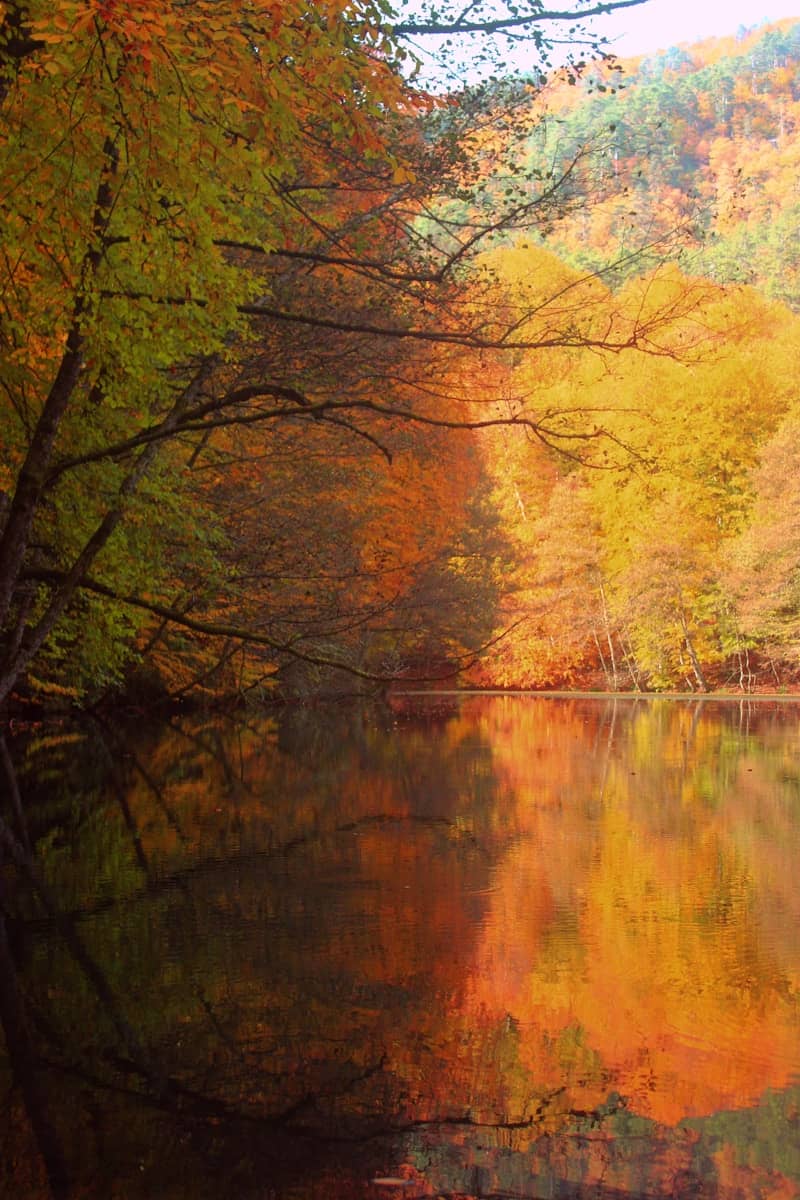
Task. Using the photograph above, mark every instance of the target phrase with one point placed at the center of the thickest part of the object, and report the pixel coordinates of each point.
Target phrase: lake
(506, 947)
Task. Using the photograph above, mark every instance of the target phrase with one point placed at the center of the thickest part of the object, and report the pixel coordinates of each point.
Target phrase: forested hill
(704, 135)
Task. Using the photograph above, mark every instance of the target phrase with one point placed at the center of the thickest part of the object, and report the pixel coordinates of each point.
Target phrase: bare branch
(239, 633)
(514, 21)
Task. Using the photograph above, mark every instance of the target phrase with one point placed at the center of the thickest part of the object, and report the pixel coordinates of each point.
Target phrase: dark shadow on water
(258, 959)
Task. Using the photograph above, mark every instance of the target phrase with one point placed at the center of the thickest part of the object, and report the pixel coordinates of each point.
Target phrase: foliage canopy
(267, 310)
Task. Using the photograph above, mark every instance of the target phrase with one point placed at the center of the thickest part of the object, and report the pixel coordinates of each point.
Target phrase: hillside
(669, 558)
(704, 137)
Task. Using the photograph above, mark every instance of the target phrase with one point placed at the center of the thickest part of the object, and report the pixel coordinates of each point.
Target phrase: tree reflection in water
(506, 947)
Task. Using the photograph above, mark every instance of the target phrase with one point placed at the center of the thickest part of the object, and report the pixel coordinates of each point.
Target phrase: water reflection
(507, 946)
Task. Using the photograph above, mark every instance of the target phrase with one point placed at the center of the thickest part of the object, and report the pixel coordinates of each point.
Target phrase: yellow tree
(668, 516)
(762, 571)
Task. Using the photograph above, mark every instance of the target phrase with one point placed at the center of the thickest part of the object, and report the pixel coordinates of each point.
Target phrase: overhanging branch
(514, 21)
(238, 633)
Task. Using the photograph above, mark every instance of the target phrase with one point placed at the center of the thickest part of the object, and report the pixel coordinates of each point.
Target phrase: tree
(668, 519)
(763, 560)
(191, 197)
(489, 29)
(619, 555)
(130, 149)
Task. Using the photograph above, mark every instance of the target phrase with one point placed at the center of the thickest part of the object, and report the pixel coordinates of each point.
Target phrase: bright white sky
(645, 29)
(659, 24)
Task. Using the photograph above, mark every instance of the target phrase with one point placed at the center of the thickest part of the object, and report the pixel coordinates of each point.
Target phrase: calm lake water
(507, 947)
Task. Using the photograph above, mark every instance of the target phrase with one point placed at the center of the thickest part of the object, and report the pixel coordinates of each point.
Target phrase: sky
(659, 24)
(645, 29)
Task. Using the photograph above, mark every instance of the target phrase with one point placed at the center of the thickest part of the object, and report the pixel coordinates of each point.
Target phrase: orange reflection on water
(631, 932)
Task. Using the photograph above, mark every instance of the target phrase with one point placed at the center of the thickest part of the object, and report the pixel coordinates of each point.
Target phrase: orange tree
(220, 215)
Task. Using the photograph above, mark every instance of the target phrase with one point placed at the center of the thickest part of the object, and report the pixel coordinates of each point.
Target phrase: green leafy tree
(187, 193)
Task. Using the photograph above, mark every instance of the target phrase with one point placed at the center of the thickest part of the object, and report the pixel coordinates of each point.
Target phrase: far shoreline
(726, 697)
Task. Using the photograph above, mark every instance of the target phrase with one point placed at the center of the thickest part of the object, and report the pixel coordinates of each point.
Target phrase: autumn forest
(315, 375)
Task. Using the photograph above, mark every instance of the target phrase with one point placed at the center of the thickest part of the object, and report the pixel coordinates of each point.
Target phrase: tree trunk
(600, 656)
(29, 645)
(695, 661)
(609, 639)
